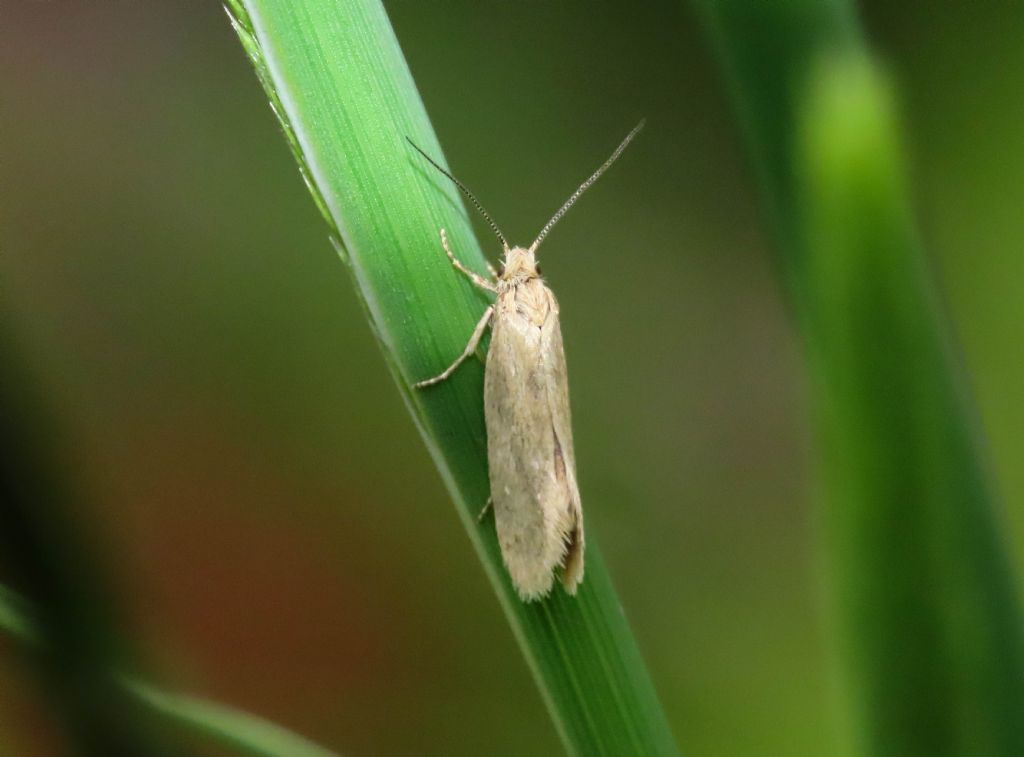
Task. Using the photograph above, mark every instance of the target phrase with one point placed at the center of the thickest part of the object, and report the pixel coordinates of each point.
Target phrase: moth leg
(486, 508)
(476, 278)
(490, 268)
(474, 340)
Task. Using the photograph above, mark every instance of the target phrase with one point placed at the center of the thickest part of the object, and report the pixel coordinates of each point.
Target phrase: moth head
(520, 263)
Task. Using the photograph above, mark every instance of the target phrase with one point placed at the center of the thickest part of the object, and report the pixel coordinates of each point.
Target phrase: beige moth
(534, 494)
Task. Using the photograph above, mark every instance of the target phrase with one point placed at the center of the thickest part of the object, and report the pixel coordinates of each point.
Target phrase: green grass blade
(240, 731)
(15, 618)
(923, 597)
(923, 585)
(336, 77)
(47, 556)
(766, 51)
(66, 625)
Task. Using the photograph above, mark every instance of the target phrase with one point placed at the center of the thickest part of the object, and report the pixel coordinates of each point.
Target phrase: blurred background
(273, 529)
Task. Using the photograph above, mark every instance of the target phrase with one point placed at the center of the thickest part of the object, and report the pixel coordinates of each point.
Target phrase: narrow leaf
(337, 79)
(924, 604)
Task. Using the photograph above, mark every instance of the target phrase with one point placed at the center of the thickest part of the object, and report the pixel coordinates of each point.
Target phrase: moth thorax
(520, 264)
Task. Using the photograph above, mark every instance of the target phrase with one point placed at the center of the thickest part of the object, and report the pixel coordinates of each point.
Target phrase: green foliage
(240, 731)
(66, 627)
(923, 586)
(44, 553)
(924, 603)
(237, 730)
(338, 81)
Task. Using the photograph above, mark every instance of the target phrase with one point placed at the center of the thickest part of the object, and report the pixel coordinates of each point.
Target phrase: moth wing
(532, 468)
(571, 526)
(519, 452)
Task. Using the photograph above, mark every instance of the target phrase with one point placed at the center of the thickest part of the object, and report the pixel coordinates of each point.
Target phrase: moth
(534, 493)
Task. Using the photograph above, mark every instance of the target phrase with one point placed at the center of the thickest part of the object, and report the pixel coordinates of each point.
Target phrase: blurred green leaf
(46, 553)
(233, 728)
(65, 625)
(924, 601)
(766, 51)
(932, 634)
(337, 79)
(238, 730)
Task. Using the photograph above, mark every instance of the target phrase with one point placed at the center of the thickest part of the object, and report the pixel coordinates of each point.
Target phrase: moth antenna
(469, 195)
(586, 185)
